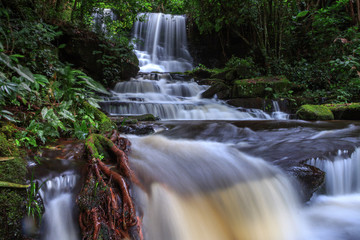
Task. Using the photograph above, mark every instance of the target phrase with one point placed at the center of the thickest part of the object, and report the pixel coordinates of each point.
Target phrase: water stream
(176, 99)
(219, 172)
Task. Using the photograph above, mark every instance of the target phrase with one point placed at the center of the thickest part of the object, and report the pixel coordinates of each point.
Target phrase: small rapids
(170, 99)
(59, 219)
(209, 190)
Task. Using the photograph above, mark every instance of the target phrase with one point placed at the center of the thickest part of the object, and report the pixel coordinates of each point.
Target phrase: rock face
(98, 58)
(314, 112)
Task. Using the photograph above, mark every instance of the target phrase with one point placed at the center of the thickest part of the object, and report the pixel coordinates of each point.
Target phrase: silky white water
(342, 172)
(59, 221)
(209, 190)
(168, 99)
(161, 43)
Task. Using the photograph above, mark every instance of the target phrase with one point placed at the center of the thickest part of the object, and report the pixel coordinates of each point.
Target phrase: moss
(314, 112)
(345, 111)
(219, 88)
(98, 145)
(259, 87)
(12, 210)
(12, 201)
(8, 129)
(7, 147)
(105, 123)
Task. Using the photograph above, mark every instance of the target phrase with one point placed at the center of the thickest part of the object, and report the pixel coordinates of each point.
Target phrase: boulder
(220, 89)
(309, 179)
(345, 111)
(260, 87)
(314, 112)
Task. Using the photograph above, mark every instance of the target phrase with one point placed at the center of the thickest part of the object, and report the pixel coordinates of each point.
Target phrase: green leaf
(44, 112)
(93, 102)
(62, 45)
(67, 115)
(13, 185)
(302, 14)
(92, 84)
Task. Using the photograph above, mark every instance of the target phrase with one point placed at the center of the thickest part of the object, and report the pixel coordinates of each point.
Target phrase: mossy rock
(260, 87)
(12, 200)
(105, 123)
(12, 211)
(345, 111)
(220, 75)
(220, 89)
(145, 117)
(125, 120)
(314, 112)
(200, 73)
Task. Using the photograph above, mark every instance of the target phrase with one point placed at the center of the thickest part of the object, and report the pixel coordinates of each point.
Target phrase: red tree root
(106, 207)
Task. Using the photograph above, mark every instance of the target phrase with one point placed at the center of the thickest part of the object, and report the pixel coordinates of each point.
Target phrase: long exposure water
(212, 171)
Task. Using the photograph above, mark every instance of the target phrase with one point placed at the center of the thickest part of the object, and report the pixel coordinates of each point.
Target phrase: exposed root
(107, 210)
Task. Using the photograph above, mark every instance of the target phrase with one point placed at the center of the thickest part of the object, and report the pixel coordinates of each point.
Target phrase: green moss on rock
(105, 123)
(220, 89)
(345, 111)
(12, 211)
(12, 201)
(314, 112)
(260, 87)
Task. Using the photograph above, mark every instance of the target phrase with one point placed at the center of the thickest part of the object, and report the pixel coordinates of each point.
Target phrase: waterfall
(161, 43)
(342, 172)
(277, 114)
(209, 190)
(167, 98)
(59, 219)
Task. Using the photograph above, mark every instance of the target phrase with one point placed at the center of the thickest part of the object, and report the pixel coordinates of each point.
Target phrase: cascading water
(161, 43)
(59, 218)
(277, 113)
(342, 172)
(337, 214)
(166, 98)
(209, 190)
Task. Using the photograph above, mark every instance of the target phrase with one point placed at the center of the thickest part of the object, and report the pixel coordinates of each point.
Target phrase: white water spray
(59, 219)
(208, 190)
(342, 173)
(166, 98)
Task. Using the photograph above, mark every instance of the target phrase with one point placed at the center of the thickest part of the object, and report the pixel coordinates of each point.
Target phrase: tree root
(107, 210)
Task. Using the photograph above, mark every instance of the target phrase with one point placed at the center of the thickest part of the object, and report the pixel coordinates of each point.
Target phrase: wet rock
(345, 111)
(137, 129)
(220, 89)
(259, 103)
(200, 73)
(314, 112)
(309, 178)
(260, 87)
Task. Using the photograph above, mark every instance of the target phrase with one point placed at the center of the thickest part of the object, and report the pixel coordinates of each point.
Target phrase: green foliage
(33, 208)
(241, 68)
(113, 57)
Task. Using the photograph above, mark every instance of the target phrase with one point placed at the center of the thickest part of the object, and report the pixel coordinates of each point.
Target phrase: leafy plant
(33, 208)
